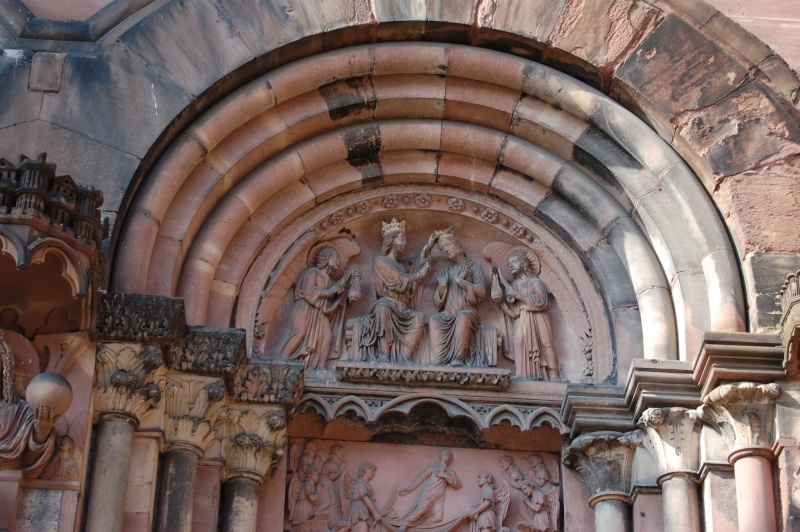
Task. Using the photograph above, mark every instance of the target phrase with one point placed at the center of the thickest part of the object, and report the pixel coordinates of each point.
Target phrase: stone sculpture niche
(359, 487)
(405, 299)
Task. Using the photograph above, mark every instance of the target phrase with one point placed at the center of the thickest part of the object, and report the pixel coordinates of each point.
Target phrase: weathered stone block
(764, 275)
(615, 282)
(708, 73)
(533, 20)
(264, 26)
(46, 71)
(562, 216)
(18, 104)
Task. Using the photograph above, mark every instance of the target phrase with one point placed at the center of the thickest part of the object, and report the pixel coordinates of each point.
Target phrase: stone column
(675, 436)
(605, 460)
(191, 407)
(743, 413)
(129, 381)
(253, 442)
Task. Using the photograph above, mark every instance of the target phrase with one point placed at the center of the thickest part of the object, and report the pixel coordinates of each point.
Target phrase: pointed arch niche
(313, 149)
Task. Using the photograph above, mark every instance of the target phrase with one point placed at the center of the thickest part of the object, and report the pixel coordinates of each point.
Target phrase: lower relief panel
(346, 486)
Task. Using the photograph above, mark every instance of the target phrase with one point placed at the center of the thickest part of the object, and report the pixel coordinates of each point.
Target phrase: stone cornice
(605, 460)
(674, 434)
(253, 440)
(657, 383)
(431, 376)
(742, 412)
(737, 356)
(191, 407)
(595, 408)
(129, 380)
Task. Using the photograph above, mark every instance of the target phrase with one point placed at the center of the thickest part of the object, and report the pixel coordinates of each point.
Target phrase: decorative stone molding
(129, 380)
(209, 351)
(675, 436)
(191, 407)
(458, 377)
(140, 318)
(605, 460)
(790, 323)
(595, 408)
(735, 356)
(270, 382)
(742, 412)
(253, 441)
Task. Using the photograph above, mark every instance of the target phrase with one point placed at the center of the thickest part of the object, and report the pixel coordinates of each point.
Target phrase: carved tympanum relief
(442, 292)
(368, 487)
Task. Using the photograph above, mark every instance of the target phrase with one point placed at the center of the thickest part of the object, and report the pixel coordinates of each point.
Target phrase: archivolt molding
(483, 415)
(407, 113)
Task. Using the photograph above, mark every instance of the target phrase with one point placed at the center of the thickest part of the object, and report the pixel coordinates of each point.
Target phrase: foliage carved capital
(192, 405)
(605, 460)
(253, 441)
(742, 412)
(675, 436)
(129, 379)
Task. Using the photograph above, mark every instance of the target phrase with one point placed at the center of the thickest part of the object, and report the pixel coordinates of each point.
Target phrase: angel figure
(359, 500)
(483, 514)
(305, 499)
(328, 502)
(525, 305)
(513, 478)
(317, 315)
(537, 518)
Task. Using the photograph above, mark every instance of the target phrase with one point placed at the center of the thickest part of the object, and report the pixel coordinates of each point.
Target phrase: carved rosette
(253, 441)
(742, 412)
(605, 460)
(140, 318)
(129, 379)
(675, 436)
(191, 407)
(209, 351)
(271, 382)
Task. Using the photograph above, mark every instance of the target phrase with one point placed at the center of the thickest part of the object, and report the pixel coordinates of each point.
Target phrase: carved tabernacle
(435, 292)
(344, 486)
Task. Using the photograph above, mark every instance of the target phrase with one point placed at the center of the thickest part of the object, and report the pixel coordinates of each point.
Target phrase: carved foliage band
(129, 378)
(271, 382)
(140, 318)
(209, 351)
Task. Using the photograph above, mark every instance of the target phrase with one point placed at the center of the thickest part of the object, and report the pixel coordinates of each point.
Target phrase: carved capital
(675, 436)
(129, 379)
(605, 460)
(742, 412)
(191, 407)
(209, 351)
(253, 441)
(140, 318)
(271, 382)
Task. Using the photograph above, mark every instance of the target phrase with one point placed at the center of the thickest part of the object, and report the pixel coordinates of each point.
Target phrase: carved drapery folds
(605, 460)
(253, 441)
(675, 436)
(191, 407)
(129, 379)
(742, 412)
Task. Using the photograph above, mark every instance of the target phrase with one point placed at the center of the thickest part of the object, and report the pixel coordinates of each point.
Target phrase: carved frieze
(604, 460)
(674, 434)
(191, 407)
(209, 351)
(140, 318)
(253, 440)
(742, 412)
(270, 382)
(344, 483)
(129, 379)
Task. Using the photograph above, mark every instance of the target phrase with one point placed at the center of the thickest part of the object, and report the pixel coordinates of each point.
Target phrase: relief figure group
(393, 330)
(323, 497)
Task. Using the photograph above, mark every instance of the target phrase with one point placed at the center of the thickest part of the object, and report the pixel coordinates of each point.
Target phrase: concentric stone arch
(484, 121)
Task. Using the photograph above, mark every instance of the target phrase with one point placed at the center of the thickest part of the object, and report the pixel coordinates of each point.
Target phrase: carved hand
(44, 417)
(441, 278)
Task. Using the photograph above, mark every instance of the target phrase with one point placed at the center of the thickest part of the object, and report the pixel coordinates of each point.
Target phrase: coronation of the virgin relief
(382, 266)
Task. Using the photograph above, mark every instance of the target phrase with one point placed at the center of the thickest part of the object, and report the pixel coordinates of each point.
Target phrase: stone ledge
(436, 376)
(729, 356)
(660, 383)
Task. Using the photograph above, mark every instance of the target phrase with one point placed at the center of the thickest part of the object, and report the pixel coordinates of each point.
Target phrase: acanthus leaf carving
(675, 437)
(192, 405)
(604, 460)
(129, 379)
(270, 382)
(742, 412)
(209, 351)
(253, 440)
